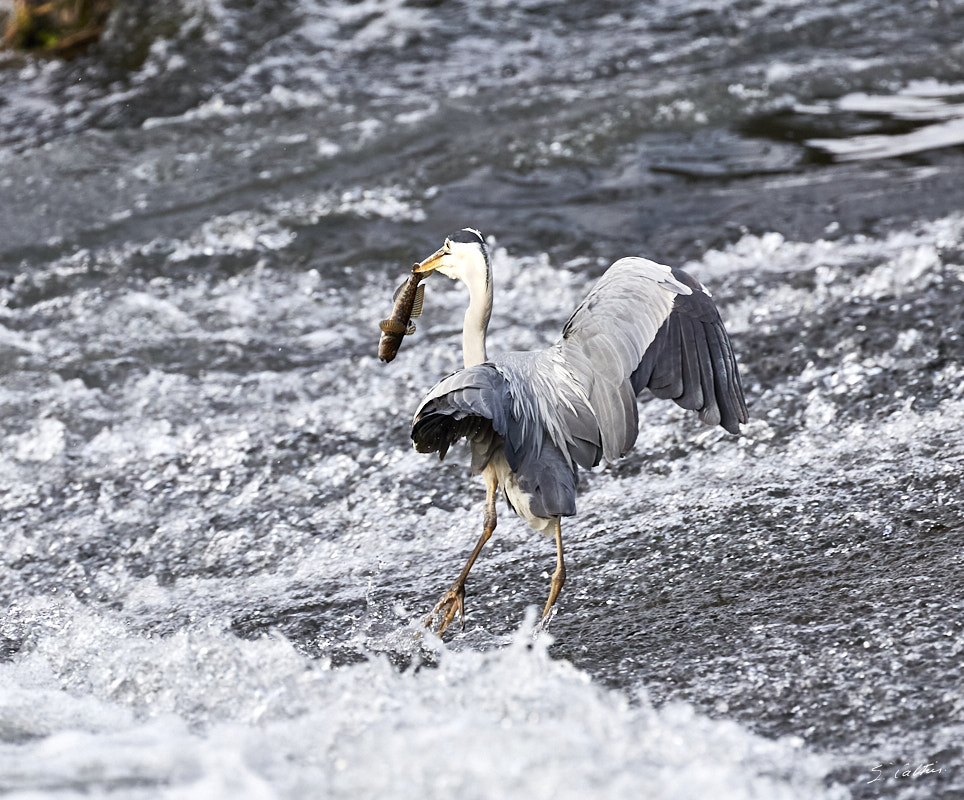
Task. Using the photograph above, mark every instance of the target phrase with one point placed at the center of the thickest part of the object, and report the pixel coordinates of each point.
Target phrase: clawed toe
(547, 617)
(450, 604)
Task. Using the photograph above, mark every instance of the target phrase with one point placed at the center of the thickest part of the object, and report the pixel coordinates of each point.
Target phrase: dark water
(217, 542)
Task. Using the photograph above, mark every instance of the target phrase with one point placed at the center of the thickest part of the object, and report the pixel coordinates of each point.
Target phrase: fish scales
(408, 304)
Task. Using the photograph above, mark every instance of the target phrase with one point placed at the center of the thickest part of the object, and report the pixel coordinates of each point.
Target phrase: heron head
(463, 257)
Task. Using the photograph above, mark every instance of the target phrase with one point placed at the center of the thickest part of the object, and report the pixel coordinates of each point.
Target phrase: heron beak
(432, 263)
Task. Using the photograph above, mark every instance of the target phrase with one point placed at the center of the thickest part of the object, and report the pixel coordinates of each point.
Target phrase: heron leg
(559, 576)
(453, 601)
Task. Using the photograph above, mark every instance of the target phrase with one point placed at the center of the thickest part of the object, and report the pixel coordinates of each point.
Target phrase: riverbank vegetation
(55, 27)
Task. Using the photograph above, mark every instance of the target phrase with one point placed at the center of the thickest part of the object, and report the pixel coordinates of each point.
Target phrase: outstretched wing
(645, 325)
(481, 405)
(691, 361)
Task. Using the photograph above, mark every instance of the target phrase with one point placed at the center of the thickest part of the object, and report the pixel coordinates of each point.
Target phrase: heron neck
(476, 322)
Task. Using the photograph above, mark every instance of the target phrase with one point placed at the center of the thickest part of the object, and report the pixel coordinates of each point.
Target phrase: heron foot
(558, 579)
(543, 623)
(450, 604)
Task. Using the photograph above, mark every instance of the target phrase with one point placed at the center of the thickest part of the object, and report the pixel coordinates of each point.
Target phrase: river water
(217, 542)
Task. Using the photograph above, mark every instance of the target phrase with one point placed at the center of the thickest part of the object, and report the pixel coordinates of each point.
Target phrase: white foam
(872, 146)
(236, 232)
(921, 101)
(45, 441)
(92, 706)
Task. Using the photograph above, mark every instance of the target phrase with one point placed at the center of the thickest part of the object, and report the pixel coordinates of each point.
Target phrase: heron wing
(691, 361)
(491, 406)
(607, 337)
(645, 325)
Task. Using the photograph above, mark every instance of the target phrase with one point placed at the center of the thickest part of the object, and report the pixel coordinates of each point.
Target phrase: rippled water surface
(218, 543)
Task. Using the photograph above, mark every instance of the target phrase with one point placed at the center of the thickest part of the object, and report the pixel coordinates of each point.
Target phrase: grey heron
(532, 419)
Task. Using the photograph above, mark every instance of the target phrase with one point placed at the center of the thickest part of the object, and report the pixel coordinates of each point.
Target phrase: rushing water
(217, 542)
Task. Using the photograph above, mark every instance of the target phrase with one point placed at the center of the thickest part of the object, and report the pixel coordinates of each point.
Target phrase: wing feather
(608, 336)
(709, 411)
(691, 361)
(658, 328)
(666, 379)
(690, 394)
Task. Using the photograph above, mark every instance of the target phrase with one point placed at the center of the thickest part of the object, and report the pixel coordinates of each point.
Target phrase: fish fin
(419, 296)
(391, 326)
(410, 329)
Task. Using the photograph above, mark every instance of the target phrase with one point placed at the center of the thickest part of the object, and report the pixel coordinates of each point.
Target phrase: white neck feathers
(476, 317)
